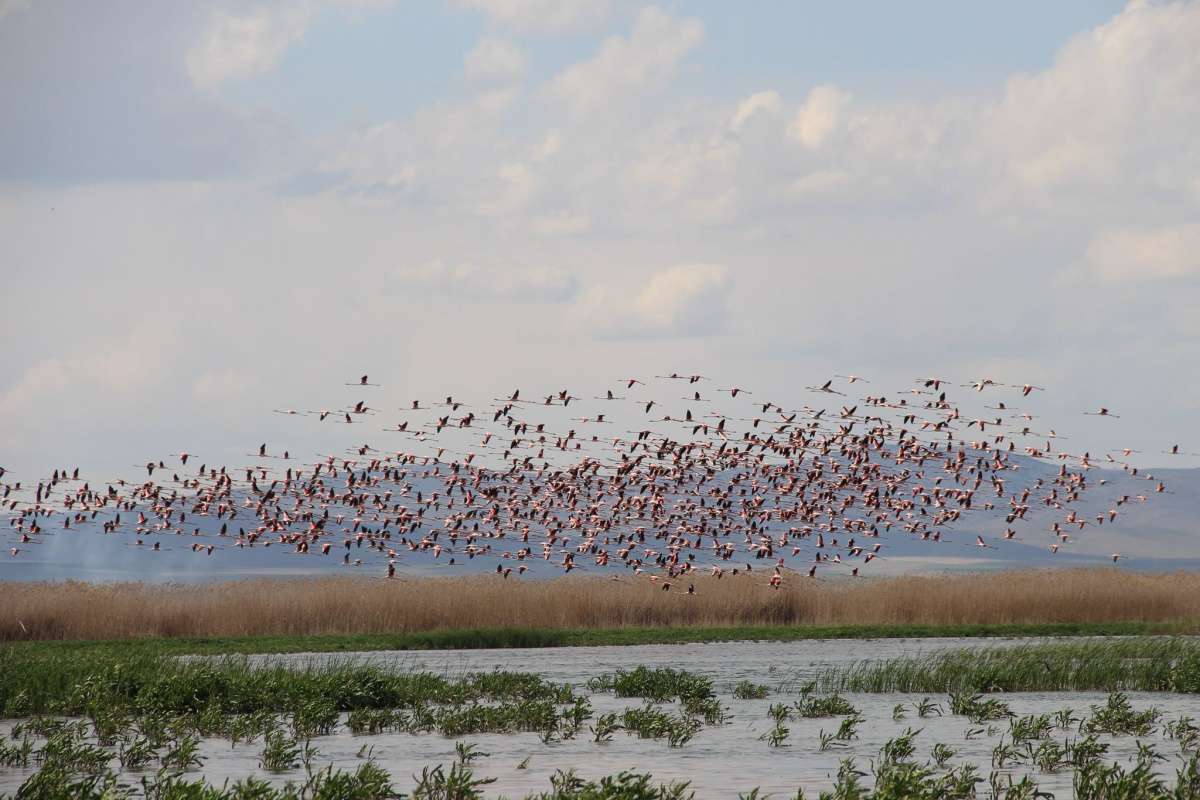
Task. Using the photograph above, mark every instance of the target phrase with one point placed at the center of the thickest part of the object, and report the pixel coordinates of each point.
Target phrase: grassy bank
(491, 638)
(428, 612)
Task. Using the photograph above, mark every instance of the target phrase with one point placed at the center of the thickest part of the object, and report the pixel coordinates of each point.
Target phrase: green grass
(64, 682)
(113, 681)
(144, 707)
(1156, 664)
(485, 638)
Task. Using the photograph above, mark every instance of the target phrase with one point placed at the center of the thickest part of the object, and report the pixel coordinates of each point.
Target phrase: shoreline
(546, 638)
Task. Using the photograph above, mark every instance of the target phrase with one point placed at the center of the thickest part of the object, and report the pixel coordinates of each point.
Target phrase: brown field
(73, 610)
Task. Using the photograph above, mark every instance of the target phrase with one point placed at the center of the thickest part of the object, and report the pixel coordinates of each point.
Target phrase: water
(719, 761)
(723, 662)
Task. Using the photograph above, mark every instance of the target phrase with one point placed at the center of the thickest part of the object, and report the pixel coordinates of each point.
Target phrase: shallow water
(776, 664)
(719, 761)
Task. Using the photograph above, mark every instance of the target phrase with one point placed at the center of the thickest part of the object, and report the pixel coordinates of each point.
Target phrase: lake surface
(720, 761)
(761, 662)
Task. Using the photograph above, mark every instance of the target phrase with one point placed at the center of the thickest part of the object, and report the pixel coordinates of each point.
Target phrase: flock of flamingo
(652, 478)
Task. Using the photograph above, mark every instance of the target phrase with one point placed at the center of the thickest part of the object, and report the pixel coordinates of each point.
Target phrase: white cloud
(471, 280)
(112, 369)
(683, 300)
(767, 102)
(819, 117)
(234, 47)
(1146, 254)
(543, 16)
(494, 60)
(441, 151)
(677, 173)
(42, 379)
(628, 66)
(1119, 106)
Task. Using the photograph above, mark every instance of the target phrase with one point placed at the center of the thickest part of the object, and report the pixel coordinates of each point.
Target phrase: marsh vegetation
(488, 611)
(86, 723)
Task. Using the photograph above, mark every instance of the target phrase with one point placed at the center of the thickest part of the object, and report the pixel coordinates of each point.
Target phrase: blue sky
(213, 209)
(365, 68)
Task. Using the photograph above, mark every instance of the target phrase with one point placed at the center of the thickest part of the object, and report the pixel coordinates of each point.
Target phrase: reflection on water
(719, 762)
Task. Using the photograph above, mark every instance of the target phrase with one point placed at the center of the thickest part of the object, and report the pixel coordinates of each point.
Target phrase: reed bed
(326, 606)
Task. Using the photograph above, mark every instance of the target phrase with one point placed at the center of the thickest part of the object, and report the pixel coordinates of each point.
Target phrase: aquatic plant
(658, 685)
(467, 752)
(136, 752)
(832, 705)
(1184, 731)
(1004, 754)
(707, 709)
(372, 721)
(459, 783)
(16, 755)
(1064, 718)
(748, 690)
(1047, 756)
(780, 712)
(649, 722)
(927, 707)
(899, 748)
(1096, 779)
(1084, 750)
(567, 785)
(606, 725)
(827, 741)
(974, 707)
(182, 754)
(572, 718)
(1031, 726)
(1117, 717)
(776, 736)
(848, 730)
(315, 716)
(280, 752)
(940, 754)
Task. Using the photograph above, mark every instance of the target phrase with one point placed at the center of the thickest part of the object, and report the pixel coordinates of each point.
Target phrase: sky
(213, 209)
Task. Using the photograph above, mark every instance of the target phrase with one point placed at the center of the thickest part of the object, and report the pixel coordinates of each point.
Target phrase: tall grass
(1161, 664)
(323, 606)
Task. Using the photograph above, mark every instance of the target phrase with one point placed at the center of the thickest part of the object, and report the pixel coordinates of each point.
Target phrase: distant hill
(1162, 533)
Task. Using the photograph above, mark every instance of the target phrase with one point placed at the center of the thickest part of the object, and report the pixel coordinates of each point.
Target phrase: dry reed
(74, 610)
